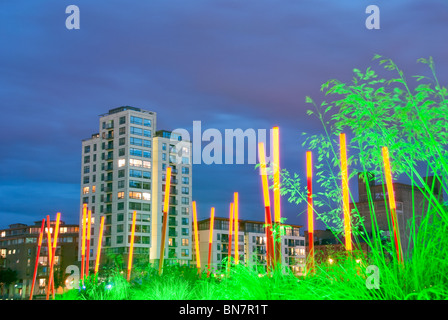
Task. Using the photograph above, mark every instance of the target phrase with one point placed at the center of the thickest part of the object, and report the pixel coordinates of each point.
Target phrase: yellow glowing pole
(55, 243)
(270, 259)
(392, 204)
(196, 237)
(36, 264)
(89, 227)
(277, 209)
(345, 192)
(165, 217)
(309, 177)
(98, 247)
(49, 246)
(83, 241)
(235, 201)
(210, 240)
(131, 245)
(229, 255)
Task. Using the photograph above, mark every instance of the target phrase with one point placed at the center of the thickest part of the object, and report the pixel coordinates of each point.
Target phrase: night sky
(228, 63)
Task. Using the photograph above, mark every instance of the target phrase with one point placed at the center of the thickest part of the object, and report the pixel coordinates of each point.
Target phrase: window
(135, 206)
(121, 163)
(86, 149)
(123, 120)
(86, 159)
(185, 160)
(185, 180)
(185, 170)
(137, 131)
(120, 195)
(135, 162)
(185, 190)
(146, 207)
(121, 152)
(120, 217)
(184, 252)
(119, 228)
(94, 147)
(135, 184)
(185, 200)
(146, 154)
(120, 184)
(147, 133)
(136, 120)
(164, 156)
(146, 175)
(185, 222)
(86, 179)
(120, 205)
(164, 146)
(147, 164)
(135, 173)
(119, 239)
(146, 196)
(136, 141)
(86, 169)
(121, 173)
(135, 195)
(93, 188)
(147, 185)
(121, 141)
(122, 130)
(147, 122)
(135, 152)
(185, 241)
(85, 190)
(185, 210)
(185, 231)
(147, 143)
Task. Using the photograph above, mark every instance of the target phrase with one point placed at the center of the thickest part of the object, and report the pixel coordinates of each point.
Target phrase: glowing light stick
(309, 177)
(36, 264)
(165, 217)
(53, 258)
(196, 237)
(89, 227)
(229, 255)
(131, 246)
(277, 207)
(235, 200)
(345, 192)
(210, 240)
(49, 244)
(83, 241)
(98, 247)
(392, 204)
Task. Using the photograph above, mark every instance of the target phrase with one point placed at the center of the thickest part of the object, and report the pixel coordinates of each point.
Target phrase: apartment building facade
(18, 251)
(251, 245)
(123, 170)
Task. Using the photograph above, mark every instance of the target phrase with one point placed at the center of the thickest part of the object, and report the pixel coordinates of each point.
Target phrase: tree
(7, 276)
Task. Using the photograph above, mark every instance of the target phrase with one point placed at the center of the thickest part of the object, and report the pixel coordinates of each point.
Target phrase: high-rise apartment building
(251, 244)
(123, 170)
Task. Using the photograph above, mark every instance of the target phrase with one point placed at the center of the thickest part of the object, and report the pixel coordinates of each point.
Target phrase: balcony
(110, 167)
(172, 223)
(109, 178)
(110, 147)
(172, 212)
(108, 189)
(172, 233)
(174, 181)
(110, 157)
(174, 202)
(109, 125)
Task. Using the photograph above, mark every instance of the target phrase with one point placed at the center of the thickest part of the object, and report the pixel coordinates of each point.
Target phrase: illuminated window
(63, 230)
(93, 189)
(185, 241)
(135, 195)
(3, 234)
(120, 195)
(85, 190)
(3, 253)
(136, 162)
(146, 164)
(121, 162)
(146, 196)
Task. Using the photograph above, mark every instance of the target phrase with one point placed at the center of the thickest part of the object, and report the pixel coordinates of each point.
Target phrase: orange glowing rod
(53, 258)
(49, 244)
(229, 255)
(196, 237)
(345, 194)
(277, 209)
(270, 258)
(98, 247)
(309, 177)
(165, 217)
(36, 264)
(235, 200)
(89, 227)
(210, 240)
(392, 204)
(131, 246)
(83, 242)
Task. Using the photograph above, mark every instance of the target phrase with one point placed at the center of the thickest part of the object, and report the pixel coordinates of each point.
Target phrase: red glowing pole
(49, 247)
(53, 258)
(210, 241)
(345, 193)
(165, 217)
(98, 247)
(229, 255)
(83, 242)
(270, 257)
(196, 238)
(89, 228)
(236, 205)
(309, 177)
(39, 244)
(131, 248)
(392, 204)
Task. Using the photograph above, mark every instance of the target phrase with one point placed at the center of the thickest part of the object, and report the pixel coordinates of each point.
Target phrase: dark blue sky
(229, 63)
